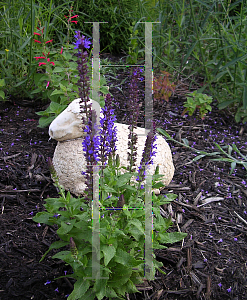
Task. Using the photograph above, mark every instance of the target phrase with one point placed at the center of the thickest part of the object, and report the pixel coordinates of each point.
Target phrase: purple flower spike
(81, 41)
(91, 144)
(108, 132)
(133, 106)
(148, 153)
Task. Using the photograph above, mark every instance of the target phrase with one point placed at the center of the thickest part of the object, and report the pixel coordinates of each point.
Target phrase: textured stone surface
(69, 160)
(68, 124)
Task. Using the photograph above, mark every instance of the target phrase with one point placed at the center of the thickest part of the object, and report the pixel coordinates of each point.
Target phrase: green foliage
(2, 85)
(162, 87)
(122, 234)
(134, 49)
(60, 81)
(19, 19)
(198, 101)
(205, 39)
(115, 32)
(190, 39)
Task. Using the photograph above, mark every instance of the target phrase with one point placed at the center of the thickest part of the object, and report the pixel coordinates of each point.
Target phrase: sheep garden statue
(69, 160)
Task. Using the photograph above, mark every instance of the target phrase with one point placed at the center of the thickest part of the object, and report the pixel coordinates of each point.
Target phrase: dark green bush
(114, 35)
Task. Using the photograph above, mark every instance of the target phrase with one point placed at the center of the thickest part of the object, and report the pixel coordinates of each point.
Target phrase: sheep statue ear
(68, 124)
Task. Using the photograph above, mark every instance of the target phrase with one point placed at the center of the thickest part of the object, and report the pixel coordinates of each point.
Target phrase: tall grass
(205, 39)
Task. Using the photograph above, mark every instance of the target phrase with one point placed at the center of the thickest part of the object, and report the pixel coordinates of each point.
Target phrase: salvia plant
(121, 202)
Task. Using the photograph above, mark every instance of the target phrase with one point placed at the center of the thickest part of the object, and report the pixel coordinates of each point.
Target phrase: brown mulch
(210, 263)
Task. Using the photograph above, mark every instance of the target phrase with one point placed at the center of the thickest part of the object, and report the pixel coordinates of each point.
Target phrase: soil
(210, 263)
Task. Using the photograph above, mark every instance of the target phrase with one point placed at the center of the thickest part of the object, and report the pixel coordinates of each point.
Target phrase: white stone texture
(69, 160)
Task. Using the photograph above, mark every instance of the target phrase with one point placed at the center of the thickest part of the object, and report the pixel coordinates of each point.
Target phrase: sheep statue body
(69, 160)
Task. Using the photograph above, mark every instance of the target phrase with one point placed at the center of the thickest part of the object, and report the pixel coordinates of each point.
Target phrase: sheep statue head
(69, 160)
(68, 124)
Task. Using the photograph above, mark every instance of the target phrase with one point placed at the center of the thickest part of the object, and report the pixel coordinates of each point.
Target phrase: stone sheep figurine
(69, 160)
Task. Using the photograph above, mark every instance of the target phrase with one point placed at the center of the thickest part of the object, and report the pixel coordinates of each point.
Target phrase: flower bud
(157, 170)
(110, 160)
(117, 161)
(121, 201)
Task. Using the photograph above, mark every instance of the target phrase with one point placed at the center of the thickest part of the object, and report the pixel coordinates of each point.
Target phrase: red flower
(36, 33)
(41, 63)
(38, 57)
(42, 30)
(52, 63)
(49, 41)
(61, 52)
(69, 20)
(37, 41)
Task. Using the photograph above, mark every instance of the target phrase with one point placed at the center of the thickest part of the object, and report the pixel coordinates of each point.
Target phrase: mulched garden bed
(211, 206)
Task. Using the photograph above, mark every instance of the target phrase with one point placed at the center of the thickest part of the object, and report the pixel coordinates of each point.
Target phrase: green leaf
(57, 108)
(137, 224)
(110, 293)
(2, 82)
(57, 92)
(198, 157)
(62, 255)
(108, 189)
(158, 185)
(44, 121)
(20, 83)
(171, 237)
(124, 258)
(120, 276)
(109, 252)
(80, 288)
(100, 288)
(43, 217)
(58, 70)
(2, 94)
(55, 245)
(224, 104)
(123, 179)
(163, 132)
(233, 166)
(65, 227)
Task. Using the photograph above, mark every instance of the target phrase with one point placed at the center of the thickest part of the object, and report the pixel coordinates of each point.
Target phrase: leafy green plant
(198, 101)
(122, 235)
(163, 88)
(112, 222)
